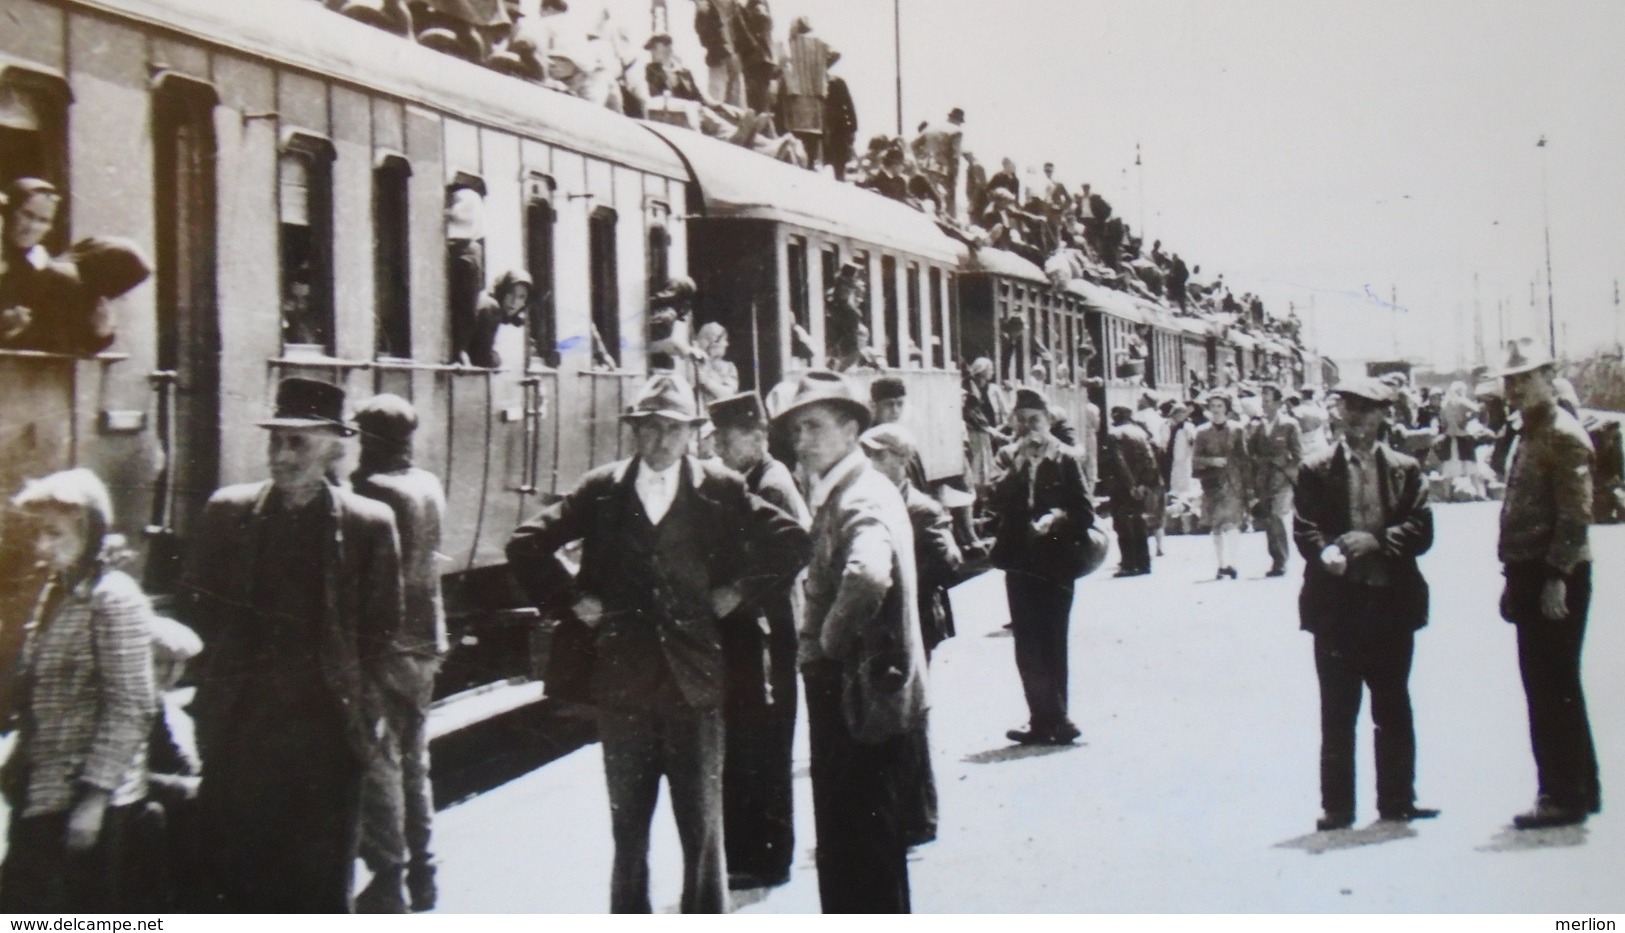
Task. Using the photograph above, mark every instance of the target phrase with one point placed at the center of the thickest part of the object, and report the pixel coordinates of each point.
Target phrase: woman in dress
(1219, 458)
(85, 699)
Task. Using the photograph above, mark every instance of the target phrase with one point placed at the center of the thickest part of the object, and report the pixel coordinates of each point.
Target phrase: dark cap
(387, 418)
(1365, 392)
(108, 266)
(308, 403)
(887, 388)
(956, 115)
(679, 289)
(1031, 398)
(659, 38)
(744, 410)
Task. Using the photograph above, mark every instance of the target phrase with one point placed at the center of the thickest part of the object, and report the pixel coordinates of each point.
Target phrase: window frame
(319, 155)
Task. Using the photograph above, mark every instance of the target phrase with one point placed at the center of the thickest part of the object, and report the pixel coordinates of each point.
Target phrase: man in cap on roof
(297, 592)
(1044, 516)
(861, 658)
(891, 448)
(398, 799)
(759, 644)
(1544, 547)
(1362, 519)
(671, 546)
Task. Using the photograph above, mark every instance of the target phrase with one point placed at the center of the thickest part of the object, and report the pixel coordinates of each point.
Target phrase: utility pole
(897, 53)
(1139, 169)
(1478, 326)
(659, 21)
(1546, 202)
(1619, 348)
(1393, 310)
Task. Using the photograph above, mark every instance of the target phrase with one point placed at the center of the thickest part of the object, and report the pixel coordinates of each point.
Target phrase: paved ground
(1195, 789)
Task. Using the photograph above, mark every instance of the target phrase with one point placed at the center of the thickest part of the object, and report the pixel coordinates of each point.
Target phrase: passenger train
(288, 171)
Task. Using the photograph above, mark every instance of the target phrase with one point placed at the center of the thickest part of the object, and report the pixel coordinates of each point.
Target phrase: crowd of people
(709, 576)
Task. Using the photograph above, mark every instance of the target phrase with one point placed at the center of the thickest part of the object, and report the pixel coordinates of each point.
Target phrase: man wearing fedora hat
(1545, 521)
(1362, 520)
(861, 657)
(298, 594)
(1043, 508)
(671, 545)
(760, 647)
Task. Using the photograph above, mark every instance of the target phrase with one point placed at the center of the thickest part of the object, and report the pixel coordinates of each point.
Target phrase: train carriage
(767, 240)
(289, 171)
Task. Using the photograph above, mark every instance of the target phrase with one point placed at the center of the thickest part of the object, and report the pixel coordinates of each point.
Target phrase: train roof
(738, 182)
(992, 261)
(307, 36)
(1115, 303)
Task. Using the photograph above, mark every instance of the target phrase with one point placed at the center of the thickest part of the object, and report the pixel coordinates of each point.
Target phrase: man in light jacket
(861, 658)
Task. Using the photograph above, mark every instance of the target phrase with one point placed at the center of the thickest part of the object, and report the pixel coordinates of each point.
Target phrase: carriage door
(186, 382)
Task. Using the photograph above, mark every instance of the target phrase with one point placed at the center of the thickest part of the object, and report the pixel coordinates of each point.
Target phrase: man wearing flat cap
(298, 595)
(1362, 519)
(759, 644)
(1544, 547)
(398, 798)
(671, 545)
(861, 659)
(1044, 515)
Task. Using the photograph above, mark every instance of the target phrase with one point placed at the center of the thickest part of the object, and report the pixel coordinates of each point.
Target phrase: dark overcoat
(1323, 514)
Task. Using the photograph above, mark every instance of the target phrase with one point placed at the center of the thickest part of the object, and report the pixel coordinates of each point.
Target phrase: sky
(1326, 155)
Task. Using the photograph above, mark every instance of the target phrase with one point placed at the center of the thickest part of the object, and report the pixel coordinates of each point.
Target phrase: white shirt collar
(822, 487)
(669, 474)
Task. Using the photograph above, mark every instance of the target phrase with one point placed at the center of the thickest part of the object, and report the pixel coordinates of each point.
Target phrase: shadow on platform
(995, 756)
(1333, 840)
(493, 751)
(1512, 839)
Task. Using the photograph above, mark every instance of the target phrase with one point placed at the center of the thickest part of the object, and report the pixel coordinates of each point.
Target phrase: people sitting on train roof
(665, 76)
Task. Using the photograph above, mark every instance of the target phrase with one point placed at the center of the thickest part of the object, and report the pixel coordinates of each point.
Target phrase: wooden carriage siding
(275, 79)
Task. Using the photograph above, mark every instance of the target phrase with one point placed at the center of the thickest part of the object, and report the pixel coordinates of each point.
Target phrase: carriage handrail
(103, 358)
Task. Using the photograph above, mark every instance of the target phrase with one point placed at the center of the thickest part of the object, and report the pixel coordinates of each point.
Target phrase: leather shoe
(1065, 734)
(1408, 814)
(1026, 736)
(1276, 572)
(1331, 821)
(1548, 814)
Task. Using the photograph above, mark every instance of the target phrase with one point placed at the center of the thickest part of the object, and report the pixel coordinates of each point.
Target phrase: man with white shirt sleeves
(861, 658)
(670, 545)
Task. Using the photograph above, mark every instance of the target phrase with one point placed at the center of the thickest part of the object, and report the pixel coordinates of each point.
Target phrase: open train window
(305, 218)
(392, 257)
(896, 330)
(465, 268)
(914, 328)
(800, 303)
(605, 282)
(539, 219)
(34, 136)
(659, 252)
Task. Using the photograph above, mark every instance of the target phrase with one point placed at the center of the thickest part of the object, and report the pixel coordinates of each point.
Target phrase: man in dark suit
(670, 546)
(1277, 448)
(1129, 472)
(759, 644)
(1044, 512)
(1362, 520)
(298, 595)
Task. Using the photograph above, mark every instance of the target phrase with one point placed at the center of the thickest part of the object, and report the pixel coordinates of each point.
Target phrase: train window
(305, 215)
(34, 136)
(950, 323)
(392, 258)
(606, 304)
(465, 267)
(939, 324)
(915, 328)
(659, 258)
(896, 333)
(800, 302)
(539, 220)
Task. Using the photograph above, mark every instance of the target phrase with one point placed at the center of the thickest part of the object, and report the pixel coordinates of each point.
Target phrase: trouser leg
(693, 752)
(862, 859)
(1277, 529)
(1559, 726)
(1340, 688)
(632, 767)
(1388, 673)
(920, 791)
